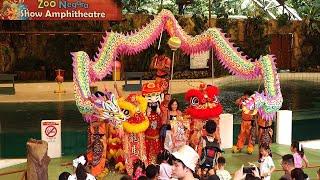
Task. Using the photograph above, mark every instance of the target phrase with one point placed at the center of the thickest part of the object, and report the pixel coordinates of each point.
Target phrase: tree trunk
(37, 160)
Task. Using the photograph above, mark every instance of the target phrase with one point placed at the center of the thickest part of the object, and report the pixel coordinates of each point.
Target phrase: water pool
(21, 121)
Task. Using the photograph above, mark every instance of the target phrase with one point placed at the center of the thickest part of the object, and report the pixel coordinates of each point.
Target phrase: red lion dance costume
(134, 107)
(153, 93)
(203, 106)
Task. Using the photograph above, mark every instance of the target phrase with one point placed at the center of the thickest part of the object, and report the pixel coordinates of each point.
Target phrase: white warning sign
(51, 132)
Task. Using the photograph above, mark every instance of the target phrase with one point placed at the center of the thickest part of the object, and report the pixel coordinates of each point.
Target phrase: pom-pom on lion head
(203, 102)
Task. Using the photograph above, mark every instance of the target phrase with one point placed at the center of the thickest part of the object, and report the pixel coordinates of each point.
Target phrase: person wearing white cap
(184, 164)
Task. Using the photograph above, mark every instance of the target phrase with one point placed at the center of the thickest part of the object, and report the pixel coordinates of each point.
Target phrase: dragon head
(134, 108)
(106, 107)
(203, 102)
(249, 107)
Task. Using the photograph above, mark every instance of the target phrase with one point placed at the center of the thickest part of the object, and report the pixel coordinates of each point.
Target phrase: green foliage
(309, 9)
(310, 12)
(197, 7)
(224, 8)
(200, 23)
(256, 41)
(223, 23)
(283, 20)
(170, 5)
(138, 6)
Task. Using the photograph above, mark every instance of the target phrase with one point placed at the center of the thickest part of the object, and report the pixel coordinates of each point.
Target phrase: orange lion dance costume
(248, 128)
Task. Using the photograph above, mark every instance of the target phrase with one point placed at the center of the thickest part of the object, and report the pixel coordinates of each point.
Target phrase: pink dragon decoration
(116, 44)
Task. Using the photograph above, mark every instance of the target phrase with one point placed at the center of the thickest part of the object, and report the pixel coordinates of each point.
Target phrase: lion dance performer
(203, 105)
(153, 93)
(134, 108)
(97, 146)
(106, 113)
(115, 149)
(248, 127)
(265, 131)
(161, 64)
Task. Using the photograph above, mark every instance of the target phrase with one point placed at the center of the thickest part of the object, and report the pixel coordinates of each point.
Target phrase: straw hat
(188, 156)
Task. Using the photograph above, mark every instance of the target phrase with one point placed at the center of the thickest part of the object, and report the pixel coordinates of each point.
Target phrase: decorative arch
(114, 44)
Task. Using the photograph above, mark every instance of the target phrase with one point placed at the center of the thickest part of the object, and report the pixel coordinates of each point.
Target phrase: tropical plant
(283, 20)
(256, 41)
(306, 8)
(137, 6)
(309, 10)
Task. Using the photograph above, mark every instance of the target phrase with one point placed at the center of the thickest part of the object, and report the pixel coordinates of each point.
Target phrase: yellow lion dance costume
(134, 107)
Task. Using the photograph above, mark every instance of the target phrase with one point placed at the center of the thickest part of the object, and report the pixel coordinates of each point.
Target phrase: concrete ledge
(44, 92)
(313, 144)
(10, 162)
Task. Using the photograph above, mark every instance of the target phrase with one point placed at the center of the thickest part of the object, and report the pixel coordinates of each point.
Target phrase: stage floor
(234, 161)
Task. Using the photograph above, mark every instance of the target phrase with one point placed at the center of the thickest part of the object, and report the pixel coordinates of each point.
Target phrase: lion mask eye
(194, 101)
(126, 112)
(215, 99)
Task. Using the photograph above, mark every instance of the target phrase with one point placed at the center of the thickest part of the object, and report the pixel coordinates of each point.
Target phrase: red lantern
(59, 79)
(59, 75)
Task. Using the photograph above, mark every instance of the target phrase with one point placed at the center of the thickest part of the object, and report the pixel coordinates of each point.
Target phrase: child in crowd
(80, 164)
(64, 176)
(152, 172)
(168, 142)
(126, 177)
(165, 165)
(297, 174)
(300, 159)
(266, 162)
(138, 169)
(143, 178)
(209, 148)
(221, 172)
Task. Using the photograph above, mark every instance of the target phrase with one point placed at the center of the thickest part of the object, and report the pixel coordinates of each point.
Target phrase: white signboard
(51, 132)
(226, 130)
(284, 127)
(199, 61)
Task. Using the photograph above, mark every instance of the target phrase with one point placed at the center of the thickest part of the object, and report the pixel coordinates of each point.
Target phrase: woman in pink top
(298, 155)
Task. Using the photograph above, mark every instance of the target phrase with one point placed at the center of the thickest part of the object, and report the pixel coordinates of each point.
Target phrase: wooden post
(170, 83)
(211, 51)
(37, 160)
